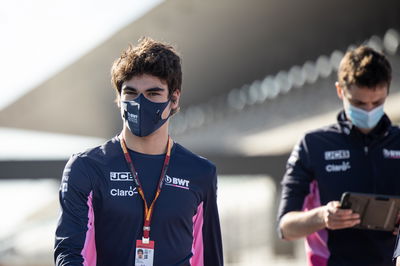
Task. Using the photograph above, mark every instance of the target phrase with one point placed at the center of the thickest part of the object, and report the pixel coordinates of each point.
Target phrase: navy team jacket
(335, 159)
(102, 212)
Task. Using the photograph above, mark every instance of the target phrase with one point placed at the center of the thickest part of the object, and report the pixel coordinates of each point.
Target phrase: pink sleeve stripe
(315, 260)
(316, 243)
(198, 246)
(89, 249)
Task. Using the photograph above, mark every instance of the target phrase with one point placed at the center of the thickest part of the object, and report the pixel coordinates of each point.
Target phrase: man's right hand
(336, 218)
(298, 224)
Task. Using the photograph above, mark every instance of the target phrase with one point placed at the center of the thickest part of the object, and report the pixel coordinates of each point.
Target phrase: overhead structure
(225, 44)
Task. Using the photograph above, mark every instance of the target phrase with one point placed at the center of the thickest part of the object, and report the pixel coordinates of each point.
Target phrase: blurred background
(257, 75)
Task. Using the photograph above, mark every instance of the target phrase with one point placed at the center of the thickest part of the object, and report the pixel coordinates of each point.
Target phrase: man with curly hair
(140, 192)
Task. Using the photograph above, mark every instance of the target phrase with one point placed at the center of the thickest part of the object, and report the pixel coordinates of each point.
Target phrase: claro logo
(115, 192)
(344, 166)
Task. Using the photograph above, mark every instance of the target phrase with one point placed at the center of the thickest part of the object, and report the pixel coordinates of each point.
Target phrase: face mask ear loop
(177, 109)
(124, 109)
(170, 111)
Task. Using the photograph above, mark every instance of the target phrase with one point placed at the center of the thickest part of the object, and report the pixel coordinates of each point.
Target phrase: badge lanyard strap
(148, 211)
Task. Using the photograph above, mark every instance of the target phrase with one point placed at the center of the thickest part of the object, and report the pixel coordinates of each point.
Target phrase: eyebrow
(362, 102)
(155, 89)
(128, 88)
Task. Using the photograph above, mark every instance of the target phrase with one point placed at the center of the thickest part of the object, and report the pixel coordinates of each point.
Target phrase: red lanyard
(148, 211)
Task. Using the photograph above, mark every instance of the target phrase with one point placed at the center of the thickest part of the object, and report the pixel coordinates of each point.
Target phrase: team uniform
(333, 160)
(102, 212)
(397, 249)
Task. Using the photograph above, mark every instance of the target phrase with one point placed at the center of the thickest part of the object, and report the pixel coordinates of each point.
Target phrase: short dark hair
(364, 67)
(148, 57)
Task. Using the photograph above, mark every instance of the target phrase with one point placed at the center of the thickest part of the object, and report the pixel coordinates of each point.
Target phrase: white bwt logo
(391, 154)
(168, 179)
(176, 182)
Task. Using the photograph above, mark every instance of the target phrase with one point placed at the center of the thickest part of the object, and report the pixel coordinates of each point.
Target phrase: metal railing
(263, 91)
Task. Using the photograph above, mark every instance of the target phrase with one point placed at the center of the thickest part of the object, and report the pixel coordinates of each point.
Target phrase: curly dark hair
(148, 57)
(364, 67)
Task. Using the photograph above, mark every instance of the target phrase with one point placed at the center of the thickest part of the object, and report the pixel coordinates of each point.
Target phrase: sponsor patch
(344, 166)
(64, 187)
(121, 176)
(116, 192)
(176, 182)
(294, 156)
(337, 155)
(391, 154)
(132, 118)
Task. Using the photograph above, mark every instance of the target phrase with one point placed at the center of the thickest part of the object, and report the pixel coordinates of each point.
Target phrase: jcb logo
(121, 176)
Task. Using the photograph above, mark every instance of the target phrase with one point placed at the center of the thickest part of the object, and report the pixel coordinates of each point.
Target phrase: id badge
(144, 254)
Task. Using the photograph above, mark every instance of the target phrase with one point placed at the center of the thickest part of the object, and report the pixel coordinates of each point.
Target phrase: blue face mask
(361, 118)
(143, 116)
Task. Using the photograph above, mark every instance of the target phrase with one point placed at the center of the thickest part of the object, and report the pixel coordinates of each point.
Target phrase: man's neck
(153, 144)
(365, 131)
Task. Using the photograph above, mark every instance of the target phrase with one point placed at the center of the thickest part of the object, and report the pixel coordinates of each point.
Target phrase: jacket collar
(380, 130)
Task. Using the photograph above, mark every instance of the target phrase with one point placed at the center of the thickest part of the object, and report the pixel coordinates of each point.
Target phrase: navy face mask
(143, 116)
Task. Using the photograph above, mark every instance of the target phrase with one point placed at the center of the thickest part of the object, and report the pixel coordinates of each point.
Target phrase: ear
(118, 99)
(176, 94)
(339, 90)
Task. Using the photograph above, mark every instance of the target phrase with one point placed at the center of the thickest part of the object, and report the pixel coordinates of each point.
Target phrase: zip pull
(366, 149)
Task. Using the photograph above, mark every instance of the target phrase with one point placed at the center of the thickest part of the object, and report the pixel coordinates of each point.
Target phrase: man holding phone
(356, 154)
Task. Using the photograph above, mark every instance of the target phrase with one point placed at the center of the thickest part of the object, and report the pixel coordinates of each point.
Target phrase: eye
(377, 103)
(129, 92)
(357, 103)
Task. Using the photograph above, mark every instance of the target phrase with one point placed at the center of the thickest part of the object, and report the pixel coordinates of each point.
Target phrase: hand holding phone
(377, 212)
